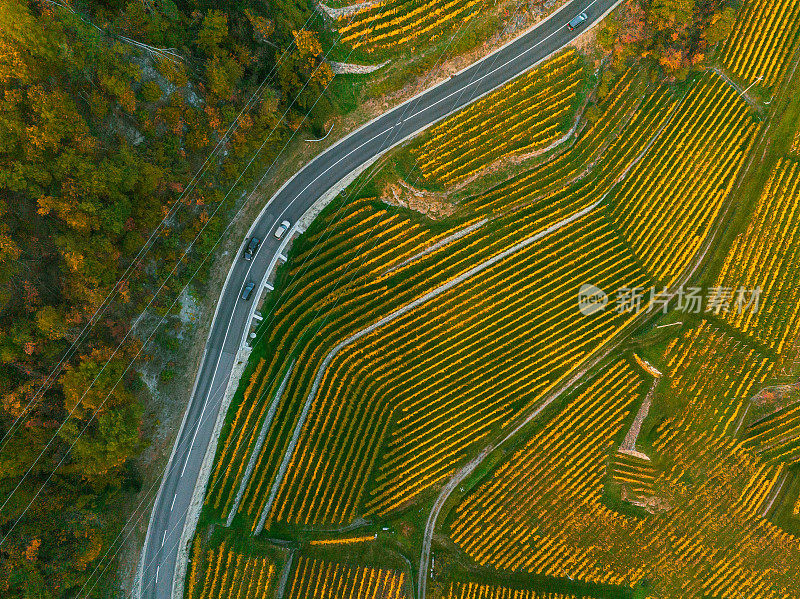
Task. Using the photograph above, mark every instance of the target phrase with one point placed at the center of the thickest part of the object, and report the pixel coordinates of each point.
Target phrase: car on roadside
(577, 21)
(247, 291)
(250, 251)
(282, 228)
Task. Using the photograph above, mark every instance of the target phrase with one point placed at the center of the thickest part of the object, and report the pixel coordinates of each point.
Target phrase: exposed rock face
(346, 68)
(432, 205)
(335, 13)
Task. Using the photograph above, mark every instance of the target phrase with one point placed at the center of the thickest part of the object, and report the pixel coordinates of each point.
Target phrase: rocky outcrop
(346, 68)
(335, 13)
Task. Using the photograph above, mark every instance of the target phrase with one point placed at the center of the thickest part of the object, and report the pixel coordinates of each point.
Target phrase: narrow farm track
(184, 478)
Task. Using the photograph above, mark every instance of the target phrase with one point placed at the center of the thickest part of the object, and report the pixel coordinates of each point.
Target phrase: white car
(282, 228)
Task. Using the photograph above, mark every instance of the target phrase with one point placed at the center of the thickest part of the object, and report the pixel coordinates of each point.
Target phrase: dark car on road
(248, 290)
(251, 248)
(577, 21)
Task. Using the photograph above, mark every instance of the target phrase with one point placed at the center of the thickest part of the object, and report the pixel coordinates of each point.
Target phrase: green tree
(109, 439)
(213, 32)
(672, 14)
(51, 321)
(304, 75)
(223, 73)
(96, 383)
(720, 26)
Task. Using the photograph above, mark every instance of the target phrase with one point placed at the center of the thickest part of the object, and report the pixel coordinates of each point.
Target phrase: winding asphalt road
(232, 317)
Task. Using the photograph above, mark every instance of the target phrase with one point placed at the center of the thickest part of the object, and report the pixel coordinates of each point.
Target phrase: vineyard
(388, 24)
(766, 256)
(474, 590)
(413, 414)
(523, 116)
(394, 349)
(776, 437)
(762, 41)
(363, 439)
(524, 352)
(344, 540)
(558, 478)
(360, 230)
(794, 151)
(321, 435)
(543, 512)
(230, 574)
(667, 205)
(317, 579)
(696, 363)
(602, 152)
(635, 476)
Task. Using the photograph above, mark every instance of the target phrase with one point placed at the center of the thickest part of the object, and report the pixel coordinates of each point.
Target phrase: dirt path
(774, 494)
(629, 443)
(737, 87)
(285, 571)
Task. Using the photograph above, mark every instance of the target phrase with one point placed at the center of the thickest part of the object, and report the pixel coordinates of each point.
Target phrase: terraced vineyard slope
(766, 256)
(555, 480)
(635, 475)
(523, 116)
(474, 590)
(317, 579)
(762, 42)
(300, 454)
(232, 574)
(337, 258)
(603, 152)
(776, 437)
(385, 25)
(544, 512)
(397, 351)
(697, 361)
(668, 204)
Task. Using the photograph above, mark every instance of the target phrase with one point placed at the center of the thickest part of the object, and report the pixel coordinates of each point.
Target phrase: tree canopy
(99, 139)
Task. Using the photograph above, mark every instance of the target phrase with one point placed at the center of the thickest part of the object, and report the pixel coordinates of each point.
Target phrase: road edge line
(198, 493)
